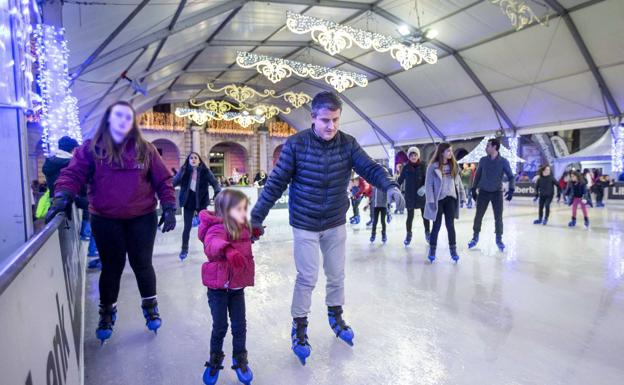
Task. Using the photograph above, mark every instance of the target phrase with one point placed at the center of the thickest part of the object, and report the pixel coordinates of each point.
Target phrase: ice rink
(549, 310)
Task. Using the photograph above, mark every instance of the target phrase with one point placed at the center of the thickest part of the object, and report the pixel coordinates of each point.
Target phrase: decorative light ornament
(479, 152)
(276, 69)
(617, 148)
(269, 110)
(15, 53)
(243, 93)
(216, 106)
(59, 113)
(198, 116)
(296, 99)
(336, 37)
(202, 116)
(513, 148)
(240, 93)
(519, 13)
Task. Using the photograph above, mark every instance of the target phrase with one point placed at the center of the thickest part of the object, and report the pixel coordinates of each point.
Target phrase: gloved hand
(509, 194)
(167, 219)
(61, 203)
(473, 192)
(536, 198)
(234, 258)
(394, 195)
(257, 230)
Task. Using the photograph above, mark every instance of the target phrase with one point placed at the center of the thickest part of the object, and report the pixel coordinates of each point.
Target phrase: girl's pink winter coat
(217, 273)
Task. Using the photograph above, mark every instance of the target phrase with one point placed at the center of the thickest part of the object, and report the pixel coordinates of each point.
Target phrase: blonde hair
(224, 202)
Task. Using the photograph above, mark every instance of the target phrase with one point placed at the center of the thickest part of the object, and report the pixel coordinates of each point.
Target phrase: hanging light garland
(216, 106)
(59, 115)
(519, 13)
(479, 152)
(336, 37)
(276, 69)
(617, 148)
(243, 93)
(202, 116)
(15, 52)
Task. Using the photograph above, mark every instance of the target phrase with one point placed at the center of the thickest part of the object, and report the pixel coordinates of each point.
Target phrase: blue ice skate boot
(369, 223)
(213, 367)
(95, 264)
(432, 254)
(183, 254)
(473, 242)
(150, 312)
(108, 316)
(454, 255)
(545, 221)
(384, 238)
(499, 243)
(338, 325)
(299, 336)
(408, 239)
(537, 221)
(372, 238)
(242, 369)
(572, 223)
(356, 220)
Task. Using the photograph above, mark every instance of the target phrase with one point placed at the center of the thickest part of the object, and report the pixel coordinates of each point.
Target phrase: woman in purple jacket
(124, 172)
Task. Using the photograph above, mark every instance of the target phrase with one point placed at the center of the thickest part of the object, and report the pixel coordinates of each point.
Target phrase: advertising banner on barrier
(524, 189)
(41, 313)
(616, 191)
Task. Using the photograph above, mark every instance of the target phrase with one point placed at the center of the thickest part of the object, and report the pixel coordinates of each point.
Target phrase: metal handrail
(20, 258)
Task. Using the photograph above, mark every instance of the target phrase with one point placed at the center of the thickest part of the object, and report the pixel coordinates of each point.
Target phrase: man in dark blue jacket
(317, 163)
(489, 181)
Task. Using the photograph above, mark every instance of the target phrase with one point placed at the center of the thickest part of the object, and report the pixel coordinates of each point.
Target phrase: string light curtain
(59, 112)
(617, 148)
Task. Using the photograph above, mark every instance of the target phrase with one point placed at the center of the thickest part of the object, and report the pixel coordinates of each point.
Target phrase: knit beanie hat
(413, 150)
(67, 144)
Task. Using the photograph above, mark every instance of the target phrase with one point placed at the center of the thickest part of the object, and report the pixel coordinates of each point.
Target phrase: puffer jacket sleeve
(373, 172)
(276, 184)
(215, 243)
(214, 183)
(76, 174)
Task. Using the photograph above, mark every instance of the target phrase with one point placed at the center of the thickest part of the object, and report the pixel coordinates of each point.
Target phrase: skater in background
(467, 177)
(52, 169)
(487, 187)
(379, 207)
(124, 173)
(545, 187)
(193, 178)
(577, 194)
(361, 190)
(317, 164)
(260, 179)
(412, 177)
(588, 175)
(226, 236)
(600, 186)
(398, 171)
(444, 194)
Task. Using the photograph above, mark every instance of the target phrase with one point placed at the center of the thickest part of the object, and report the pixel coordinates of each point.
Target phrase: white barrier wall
(41, 314)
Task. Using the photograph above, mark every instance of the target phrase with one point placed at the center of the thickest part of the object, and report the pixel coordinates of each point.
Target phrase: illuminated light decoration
(479, 152)
(162, 121)
(269, 110)
(276, 69)
(218, 107)
(59, 109)
(617, 149)
(336, 37)
(16, 53)
(513, 148)
(296, 99)
(240, 93)
(243, 93)
(280, 129)
(244, 119)
(519, 13)
(198, 116)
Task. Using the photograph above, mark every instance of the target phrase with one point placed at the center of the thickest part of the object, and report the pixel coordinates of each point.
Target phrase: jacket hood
(62, 154)
(207, 220)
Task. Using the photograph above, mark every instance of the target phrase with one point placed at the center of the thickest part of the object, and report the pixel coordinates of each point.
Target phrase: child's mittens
(234, 258)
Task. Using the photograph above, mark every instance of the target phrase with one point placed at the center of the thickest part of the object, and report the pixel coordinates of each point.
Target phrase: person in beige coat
(444, 192)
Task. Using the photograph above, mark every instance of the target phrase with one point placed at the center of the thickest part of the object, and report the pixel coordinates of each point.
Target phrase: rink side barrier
(41, 308)
(527, 189)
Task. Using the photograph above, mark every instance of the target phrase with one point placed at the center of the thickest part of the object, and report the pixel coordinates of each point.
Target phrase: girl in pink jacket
(226, 236)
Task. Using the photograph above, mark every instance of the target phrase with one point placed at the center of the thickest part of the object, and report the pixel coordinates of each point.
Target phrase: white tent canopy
(488, 74)
(597, 153)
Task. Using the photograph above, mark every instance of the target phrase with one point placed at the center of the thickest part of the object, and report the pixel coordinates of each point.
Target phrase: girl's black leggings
(114, 239)
(446, 207)
(383, 211)
(544, 203)
(410, 220)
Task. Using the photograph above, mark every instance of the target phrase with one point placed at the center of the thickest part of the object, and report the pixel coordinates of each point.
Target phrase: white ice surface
(549, 310)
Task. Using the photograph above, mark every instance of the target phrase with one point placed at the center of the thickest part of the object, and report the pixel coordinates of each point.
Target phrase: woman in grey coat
(444, 192)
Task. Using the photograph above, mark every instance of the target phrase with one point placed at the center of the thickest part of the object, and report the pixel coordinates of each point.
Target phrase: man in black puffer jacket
(317, 163)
